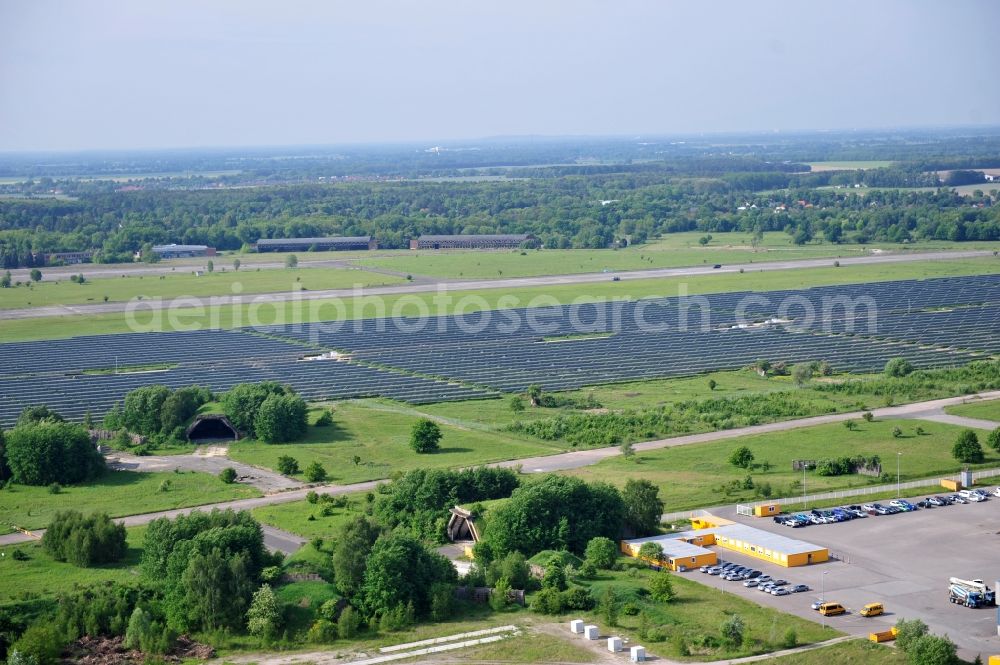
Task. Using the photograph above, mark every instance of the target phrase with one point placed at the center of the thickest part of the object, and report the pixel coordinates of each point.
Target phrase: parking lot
(902, 560)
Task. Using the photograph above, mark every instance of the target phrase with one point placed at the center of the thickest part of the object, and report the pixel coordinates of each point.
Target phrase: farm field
(227, 316)
(698, 475)
(989, 410)
(186, 283)
(118, 493)
(382, 446)
(43, 576)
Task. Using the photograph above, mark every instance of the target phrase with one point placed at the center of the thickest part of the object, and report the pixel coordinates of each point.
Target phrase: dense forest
(587, 194)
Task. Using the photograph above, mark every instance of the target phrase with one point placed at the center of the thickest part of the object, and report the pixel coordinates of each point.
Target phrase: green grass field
(380, 439)
(43, 576)
(989, 410)
(670, 251)
(852, 652)
(294, 517)
(229, 316)
(118, 493)
(693, 476)
(698, 611)
(122, 289)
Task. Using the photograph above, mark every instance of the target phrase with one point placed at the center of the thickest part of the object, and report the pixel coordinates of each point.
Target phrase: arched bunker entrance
(212, 427)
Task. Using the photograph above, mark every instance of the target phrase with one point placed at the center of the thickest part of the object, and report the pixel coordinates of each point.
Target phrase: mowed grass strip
(43, 576)
(381, 442)
(693, 476)
(852, 652)
(117, 493)
(988, 410)
(186, 283)
(672, 250)
(229, 316)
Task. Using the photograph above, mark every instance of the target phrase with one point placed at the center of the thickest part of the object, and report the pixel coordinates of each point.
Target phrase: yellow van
(831, 609)
(872, 610)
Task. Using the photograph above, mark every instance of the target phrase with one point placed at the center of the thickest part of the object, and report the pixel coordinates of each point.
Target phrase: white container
(591, 632)
(576, 626)
(637, 654)
(614, 644)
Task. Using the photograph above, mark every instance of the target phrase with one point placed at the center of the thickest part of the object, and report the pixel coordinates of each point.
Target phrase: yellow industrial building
(688, 549)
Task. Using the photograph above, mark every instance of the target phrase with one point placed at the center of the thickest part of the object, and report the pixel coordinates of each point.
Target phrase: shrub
(312, 497)
(868, 416)
(228, 475)
(281, 418)
(288, 466)
(548, 601)
(661, 587)
(55, 488)
(790, 639)
(84, 541)
(993, 439)
(315, 473)
(325, 419)
(741, 457)
(322, 631)
(732, 630)
(49, 452)
(601, 552)
(348, 623)
(898, 367)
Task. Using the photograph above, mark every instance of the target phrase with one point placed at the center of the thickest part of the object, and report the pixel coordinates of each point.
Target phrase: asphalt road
(560, 462)
(510, 283)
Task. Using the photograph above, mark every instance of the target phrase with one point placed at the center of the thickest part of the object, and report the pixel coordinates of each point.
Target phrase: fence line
(837, 494)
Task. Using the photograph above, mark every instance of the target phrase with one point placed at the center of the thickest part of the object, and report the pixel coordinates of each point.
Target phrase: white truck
(971, 593)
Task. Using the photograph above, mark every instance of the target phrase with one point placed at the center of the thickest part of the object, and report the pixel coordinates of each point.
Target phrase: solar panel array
(933, 323)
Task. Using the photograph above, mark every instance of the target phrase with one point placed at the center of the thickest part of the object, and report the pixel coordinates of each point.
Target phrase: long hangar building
(685, 550)
(316, 244)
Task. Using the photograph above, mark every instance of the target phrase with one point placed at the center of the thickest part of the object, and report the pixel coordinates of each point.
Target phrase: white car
(996, 492)
(971, 495)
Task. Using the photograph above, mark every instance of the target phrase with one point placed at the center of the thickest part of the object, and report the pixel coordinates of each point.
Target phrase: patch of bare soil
(112, 651)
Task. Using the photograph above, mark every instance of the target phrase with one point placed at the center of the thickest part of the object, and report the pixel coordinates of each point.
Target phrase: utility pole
(822, 595)
(898, 455)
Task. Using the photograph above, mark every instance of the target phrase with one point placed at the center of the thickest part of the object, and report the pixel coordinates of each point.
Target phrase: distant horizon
(432, 142)
(166, 74)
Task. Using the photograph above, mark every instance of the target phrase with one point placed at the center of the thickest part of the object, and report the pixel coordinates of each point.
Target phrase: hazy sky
(178, 73)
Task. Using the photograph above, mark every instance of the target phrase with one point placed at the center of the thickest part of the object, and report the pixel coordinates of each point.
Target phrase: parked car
(996, 492)
(754, 575)
(935, 501)
(714, 570)
(904, 506)
(750, 583)
(881, 510)
(982, 493)
(799, 588)
(857, 511)
(704, 569)
(958, 498)
(872, 610)
(779, 582)
(817, 604)
(924, 503)
(831, 609)
(870, 509)
(766, 588)
(780, 591)
(764, 578)
(971, 495)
